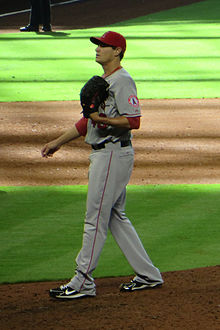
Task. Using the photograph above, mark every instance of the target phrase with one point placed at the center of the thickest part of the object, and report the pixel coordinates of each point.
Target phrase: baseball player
(108, 131)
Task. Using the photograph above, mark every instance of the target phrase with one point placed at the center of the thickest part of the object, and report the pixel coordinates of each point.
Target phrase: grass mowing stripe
(39, 232)
(171, 54)
(41, 229)
(185, 220)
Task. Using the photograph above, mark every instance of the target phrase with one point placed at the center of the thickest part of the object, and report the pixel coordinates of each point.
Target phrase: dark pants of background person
(40, 12)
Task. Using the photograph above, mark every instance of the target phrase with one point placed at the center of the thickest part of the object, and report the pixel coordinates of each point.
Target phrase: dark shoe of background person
(47, 28)
(29, 28)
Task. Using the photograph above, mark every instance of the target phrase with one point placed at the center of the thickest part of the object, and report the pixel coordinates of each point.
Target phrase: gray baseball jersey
(111, 164)
(122, 101)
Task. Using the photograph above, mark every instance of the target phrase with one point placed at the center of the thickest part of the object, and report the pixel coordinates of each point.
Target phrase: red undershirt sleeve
(134, 122)
(81, 126)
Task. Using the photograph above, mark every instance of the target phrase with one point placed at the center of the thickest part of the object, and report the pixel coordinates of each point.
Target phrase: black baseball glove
(93, 94)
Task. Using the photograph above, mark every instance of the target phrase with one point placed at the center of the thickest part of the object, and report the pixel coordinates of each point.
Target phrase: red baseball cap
(112, 39)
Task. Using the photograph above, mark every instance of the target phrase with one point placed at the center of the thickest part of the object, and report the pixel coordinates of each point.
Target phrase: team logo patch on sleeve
(133, 101)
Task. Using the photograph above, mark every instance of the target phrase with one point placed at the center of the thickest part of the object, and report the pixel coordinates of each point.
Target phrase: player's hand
(49, 149)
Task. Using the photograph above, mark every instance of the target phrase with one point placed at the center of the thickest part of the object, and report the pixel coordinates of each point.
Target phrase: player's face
(104, 54)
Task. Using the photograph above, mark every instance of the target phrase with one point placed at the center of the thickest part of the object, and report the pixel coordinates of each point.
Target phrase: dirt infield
(178, 143)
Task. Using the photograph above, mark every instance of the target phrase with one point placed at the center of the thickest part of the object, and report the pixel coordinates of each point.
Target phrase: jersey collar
(118, 68)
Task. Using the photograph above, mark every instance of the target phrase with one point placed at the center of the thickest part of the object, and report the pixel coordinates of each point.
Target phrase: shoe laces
(64, 286)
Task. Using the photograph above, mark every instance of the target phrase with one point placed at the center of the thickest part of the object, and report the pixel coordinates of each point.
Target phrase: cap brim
(95, 41)
(98, 41)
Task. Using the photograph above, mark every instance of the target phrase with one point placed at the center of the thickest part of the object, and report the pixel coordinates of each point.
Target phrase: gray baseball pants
(109, 173)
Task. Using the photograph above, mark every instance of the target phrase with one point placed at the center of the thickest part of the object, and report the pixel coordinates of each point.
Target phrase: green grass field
(41, 230)
(171, 54)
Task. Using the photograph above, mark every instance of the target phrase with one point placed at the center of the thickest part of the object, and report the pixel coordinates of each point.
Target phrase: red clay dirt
(178, 143)
(188, 300)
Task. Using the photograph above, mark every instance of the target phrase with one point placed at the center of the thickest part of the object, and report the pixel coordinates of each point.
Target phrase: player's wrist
(104, 120)
(96, 117)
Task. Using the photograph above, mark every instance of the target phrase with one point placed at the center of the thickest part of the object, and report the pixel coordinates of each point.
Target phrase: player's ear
(118, 51)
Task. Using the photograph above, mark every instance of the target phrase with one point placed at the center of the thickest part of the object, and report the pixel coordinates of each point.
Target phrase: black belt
(102, 145)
